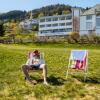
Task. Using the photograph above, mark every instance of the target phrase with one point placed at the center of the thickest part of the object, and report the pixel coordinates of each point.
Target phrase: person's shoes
(34, 82)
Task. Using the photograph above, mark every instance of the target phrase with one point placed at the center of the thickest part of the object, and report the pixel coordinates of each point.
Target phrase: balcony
(52, 33)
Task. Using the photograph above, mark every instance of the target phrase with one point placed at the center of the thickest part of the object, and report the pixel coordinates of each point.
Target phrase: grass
(14, 87)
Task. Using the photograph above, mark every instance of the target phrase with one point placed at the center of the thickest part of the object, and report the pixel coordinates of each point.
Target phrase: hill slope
(47, 10)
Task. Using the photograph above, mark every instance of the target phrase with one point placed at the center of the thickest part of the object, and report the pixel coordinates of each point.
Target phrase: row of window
(89, 24)
(55, 19)
(88, 17)
(56, 24)
(56, 30)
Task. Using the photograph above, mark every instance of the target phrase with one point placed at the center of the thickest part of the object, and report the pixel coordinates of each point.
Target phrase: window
(55, 19)
(69, 23)
(89, 25)
(88, 17)
(54, 24)
(48, 19)
(41, 26)
(62, 24)
(48, 25)
(62, 30)
(98, 22)
(42, 20)
(69, 29)
(68, 17)
(43, 31)
(48, 31)
(55, 30)
(98, 13)
(62, 18)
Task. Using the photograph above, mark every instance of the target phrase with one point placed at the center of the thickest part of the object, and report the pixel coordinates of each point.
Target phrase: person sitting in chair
(35, 62)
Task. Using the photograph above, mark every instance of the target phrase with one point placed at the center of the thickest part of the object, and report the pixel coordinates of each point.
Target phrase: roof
(92, 10)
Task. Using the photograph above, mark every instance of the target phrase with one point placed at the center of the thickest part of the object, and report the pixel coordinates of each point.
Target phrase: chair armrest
(27, 62)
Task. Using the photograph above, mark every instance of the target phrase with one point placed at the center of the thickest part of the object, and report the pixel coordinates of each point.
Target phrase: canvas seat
(31, 57)
(78, 60)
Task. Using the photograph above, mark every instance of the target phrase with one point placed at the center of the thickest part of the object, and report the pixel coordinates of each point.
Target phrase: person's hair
(36, 53)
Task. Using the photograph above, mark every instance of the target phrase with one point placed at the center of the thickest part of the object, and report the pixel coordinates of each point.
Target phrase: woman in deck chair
(34, 63)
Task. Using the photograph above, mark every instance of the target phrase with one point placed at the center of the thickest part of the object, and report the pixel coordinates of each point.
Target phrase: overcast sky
(8, 5)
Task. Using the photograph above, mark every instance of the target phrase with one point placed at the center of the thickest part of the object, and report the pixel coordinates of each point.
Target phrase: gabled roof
(92, 10)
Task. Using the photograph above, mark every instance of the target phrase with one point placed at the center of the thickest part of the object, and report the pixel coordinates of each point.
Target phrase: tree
(41, 14)
(1, 29)
(35, 27)
(15, 14)
(65, 12)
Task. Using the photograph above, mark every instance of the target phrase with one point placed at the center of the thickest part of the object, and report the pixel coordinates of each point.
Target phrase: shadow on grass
(93, 80)
(58, 81)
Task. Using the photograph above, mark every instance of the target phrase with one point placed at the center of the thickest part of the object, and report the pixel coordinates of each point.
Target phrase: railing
(52, 34)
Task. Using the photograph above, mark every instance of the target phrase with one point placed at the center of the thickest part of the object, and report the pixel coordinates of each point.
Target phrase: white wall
(83, 27)
(98, 31)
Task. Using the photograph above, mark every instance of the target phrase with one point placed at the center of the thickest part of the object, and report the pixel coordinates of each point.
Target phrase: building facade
(55, 25)
(59, 25)
(79, 20)
(90, 21)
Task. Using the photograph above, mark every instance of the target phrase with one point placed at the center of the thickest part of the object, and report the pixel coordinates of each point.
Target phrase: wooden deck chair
(78, 60)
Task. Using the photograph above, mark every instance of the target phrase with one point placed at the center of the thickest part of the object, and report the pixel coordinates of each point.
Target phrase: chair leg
(85, 75)
(67, 74)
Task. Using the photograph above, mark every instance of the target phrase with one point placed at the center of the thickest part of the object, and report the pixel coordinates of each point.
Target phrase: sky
(8, 5)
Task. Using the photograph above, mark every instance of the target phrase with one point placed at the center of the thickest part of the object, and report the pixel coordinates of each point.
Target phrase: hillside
(52, 10)
(47, 10)
(13, 15)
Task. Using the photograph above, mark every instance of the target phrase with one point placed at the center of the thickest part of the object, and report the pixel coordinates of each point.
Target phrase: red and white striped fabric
(79, 64)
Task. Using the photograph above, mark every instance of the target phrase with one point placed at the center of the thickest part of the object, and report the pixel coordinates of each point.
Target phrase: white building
(59, 25)
(55, 25)
(79, 20)
(90, 21)
(27, 24)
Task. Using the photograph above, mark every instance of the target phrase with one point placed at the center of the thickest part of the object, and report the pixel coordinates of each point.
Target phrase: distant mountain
(51, 10)
(15, 15)
(45, 11)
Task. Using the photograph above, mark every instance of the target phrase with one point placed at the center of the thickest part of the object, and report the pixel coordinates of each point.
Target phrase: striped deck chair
(78, 60)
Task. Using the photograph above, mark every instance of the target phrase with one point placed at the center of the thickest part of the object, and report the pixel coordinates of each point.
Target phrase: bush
(84, 39)
(5, 39)
(94, 39)
(73, 37)
(97, 39)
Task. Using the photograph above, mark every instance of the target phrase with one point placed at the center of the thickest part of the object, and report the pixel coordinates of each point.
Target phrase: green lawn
(14, 87)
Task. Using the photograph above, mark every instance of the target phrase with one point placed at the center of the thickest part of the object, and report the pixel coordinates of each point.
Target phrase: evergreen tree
(1, 29)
